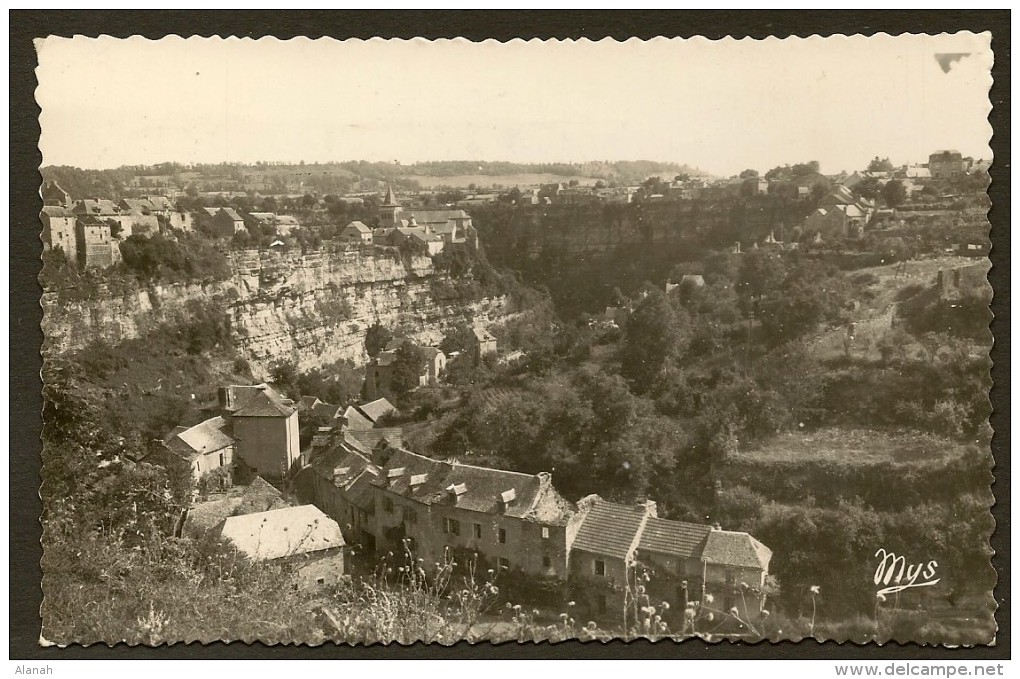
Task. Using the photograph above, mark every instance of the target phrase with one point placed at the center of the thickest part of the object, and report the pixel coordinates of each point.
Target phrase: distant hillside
(345, 177)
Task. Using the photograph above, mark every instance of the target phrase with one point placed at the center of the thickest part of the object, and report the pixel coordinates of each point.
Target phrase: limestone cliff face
(311, 308)
(514, 236)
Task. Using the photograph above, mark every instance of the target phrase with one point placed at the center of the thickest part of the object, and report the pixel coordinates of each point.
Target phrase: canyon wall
(515, 235)
(311, 308)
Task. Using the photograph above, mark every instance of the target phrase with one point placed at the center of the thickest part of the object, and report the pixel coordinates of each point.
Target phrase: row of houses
(388, 498)
(89, 230)
(360, 487)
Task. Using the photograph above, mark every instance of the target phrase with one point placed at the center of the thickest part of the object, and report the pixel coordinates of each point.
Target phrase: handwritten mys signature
(895, 575)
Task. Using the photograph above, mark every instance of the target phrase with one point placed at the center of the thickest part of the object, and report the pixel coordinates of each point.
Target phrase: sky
(723, 106)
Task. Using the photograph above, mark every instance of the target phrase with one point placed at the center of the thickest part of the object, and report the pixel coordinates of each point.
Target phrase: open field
(852, 446)
(486, 181)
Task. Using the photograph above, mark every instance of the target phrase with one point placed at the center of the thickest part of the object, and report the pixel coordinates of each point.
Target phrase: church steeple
(389, 211)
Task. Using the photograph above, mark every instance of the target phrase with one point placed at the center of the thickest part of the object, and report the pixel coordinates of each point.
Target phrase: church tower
(389, 211)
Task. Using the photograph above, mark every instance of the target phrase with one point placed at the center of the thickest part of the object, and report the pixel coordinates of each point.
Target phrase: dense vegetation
(669, 395)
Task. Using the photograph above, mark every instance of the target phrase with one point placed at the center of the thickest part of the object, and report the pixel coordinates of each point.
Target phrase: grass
(852, 446)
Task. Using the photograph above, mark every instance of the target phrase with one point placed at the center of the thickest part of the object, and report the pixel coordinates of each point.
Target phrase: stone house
(397, 499)
(94, 242)
(206, 447)
(602, 553)
(357, 232)
(380, 372)
(221, 222)
(485, 343)
(615, 544)
(947, 164)
(389, 498)
(837, 222)
(59, 230)
(54, 196)
(304, 536)
(264, 426)
(270, 222)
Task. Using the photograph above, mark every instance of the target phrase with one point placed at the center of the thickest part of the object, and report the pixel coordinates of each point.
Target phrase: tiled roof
(730, 548)
(610, 529)
(282, 532)
(673, 537)
(205, 437)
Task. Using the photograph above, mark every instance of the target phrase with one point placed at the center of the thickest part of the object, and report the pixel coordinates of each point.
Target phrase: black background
(26, 314)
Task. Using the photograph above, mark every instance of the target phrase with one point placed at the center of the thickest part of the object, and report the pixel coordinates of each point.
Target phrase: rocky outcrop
(312, 308)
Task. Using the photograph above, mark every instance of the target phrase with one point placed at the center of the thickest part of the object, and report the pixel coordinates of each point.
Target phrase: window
(546, 561)
(451, 526)
(545, 532)
(387, 505)
(321, 581)
(478, 531)
(600, 567)
(410, 516)
(503, 564)
(223, 460)
(502, 536)
(602, 603)
(729, 577)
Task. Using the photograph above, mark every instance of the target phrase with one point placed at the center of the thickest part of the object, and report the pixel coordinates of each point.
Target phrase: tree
(880, 165)
(284, 375)
(869, 187)
(749, 174)
(894, 193)
(408, 366)
(653, 334)
(460, 339)
(376, 338)
(802, 169)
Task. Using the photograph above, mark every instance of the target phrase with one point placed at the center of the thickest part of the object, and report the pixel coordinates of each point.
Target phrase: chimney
(650, 507)
(544, 480)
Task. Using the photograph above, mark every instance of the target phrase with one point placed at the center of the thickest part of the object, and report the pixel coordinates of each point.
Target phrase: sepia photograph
(408, 340)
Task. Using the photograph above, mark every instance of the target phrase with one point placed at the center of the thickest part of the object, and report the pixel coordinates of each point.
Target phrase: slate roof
(282, 532)
(56, 211)
(483, 487)
(437, 216)
(205, 437)
(373, 410)
(673, 537)
(482, 335)
(370, 438)
(730, 548)
(359, 227)
(232, 213)
(257, 496)
(259, 401)
(356, 419)
(610, 529)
